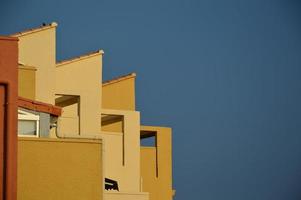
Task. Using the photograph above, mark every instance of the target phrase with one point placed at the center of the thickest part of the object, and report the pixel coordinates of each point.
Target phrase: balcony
(60, 169)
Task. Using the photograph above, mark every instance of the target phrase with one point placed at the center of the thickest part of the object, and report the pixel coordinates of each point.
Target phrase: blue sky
(225, 75)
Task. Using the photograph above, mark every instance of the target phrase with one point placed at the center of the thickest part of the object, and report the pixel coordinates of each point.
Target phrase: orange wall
(8, 116)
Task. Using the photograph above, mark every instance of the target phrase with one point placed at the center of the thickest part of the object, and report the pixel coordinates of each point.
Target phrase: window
(28, 124)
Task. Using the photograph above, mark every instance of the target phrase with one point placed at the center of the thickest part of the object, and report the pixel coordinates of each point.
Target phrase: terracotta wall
(8, 116)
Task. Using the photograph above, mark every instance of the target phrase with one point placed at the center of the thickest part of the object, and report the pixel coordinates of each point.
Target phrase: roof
(34, 30)
(118, 79)
(39, 106)
(82, 57)
(8, 38)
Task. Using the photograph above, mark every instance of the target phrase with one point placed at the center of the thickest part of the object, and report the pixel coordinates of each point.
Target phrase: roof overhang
(39, 106)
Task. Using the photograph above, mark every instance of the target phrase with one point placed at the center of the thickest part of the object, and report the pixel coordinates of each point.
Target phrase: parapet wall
(59, 169)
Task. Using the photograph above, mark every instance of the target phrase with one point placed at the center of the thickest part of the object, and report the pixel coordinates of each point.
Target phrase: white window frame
(23, 115)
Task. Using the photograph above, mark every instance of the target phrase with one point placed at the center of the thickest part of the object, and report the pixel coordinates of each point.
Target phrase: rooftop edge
(119, 78)
(34, 30)
(78, 58)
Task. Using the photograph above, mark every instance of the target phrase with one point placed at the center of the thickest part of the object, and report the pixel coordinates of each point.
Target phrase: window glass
(27, 127)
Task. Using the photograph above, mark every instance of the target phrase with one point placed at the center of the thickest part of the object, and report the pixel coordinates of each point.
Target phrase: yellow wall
(112, 125)
(70, 115)
(82, 77)
(113, 195)
(119, 95)
(38, 49)
(159, 187)
(26, 81)
(122, 152)
(59, 169)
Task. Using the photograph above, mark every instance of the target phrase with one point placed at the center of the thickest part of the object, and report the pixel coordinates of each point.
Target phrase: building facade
(86, 140)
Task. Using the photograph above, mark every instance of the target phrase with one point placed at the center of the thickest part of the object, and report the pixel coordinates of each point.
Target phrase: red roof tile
(39, 106)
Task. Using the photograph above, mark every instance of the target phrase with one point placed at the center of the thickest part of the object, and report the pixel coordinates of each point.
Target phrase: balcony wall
(59, 169)
(156, 165)
(122, 150)
(111, 195)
